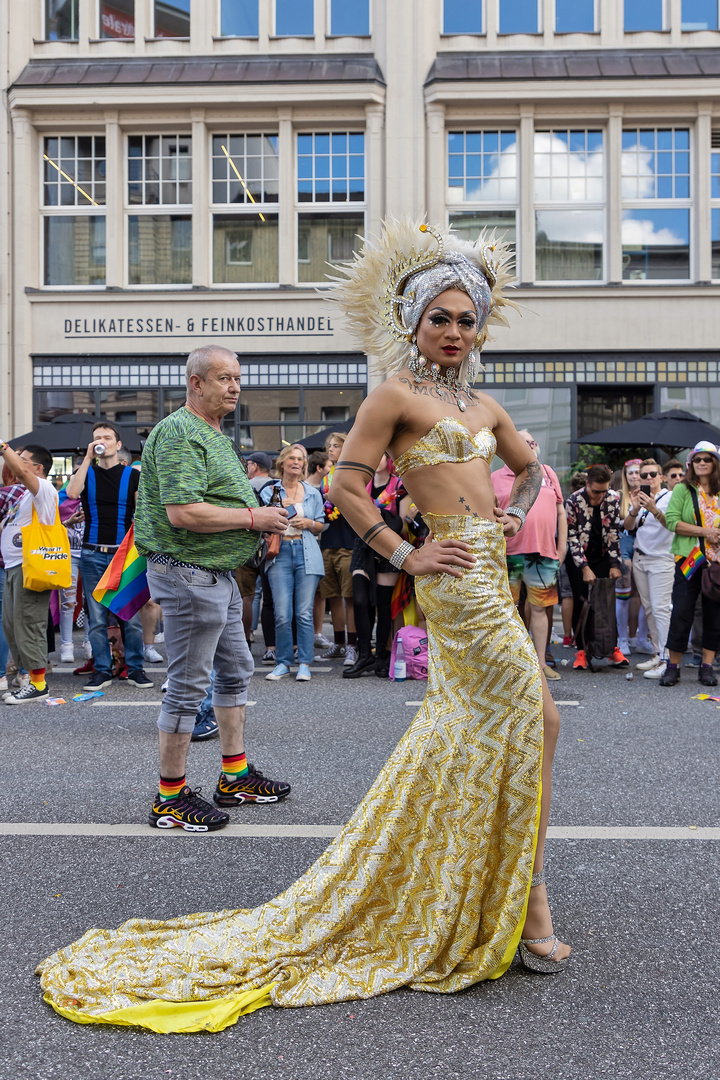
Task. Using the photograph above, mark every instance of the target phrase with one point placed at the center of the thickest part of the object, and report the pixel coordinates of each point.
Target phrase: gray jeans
(202, 612)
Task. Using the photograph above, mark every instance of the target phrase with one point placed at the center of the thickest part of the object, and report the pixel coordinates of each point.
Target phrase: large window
(117, 19)
(61, 20)
(350, 17)
(644, 15)
(159, 245)
(159, 169)
(294, 18)
(74, 231)
(462, 17)
(482, 188)
(239, 18)
(172, 18)
(715, 197)
(574, 16)
(518, 17)
(656, 203)
(699, 14)
(569, 205)
(331, 170)
(245, 174)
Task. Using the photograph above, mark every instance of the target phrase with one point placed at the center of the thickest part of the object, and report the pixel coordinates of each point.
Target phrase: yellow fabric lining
(164, 1017)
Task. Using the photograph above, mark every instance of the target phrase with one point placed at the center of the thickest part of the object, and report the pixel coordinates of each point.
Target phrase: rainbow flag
(693, 561)
(123, 588)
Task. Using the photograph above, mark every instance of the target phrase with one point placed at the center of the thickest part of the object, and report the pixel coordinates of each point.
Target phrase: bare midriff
(438, 489)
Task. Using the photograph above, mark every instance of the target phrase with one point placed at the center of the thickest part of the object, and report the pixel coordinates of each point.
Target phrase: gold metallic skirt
(425, 887)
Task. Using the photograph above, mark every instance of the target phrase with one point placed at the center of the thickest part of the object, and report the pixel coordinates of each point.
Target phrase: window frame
(328, 22)
(539, 7)
(178, 37)
(664, 204)
(75, 17)
(158, 209)
(564, 33)
(275, 32)
(240, 210)
(663, 29)
(234, 37)
(359, 207)
(576, 204)
(690, 30)
(87, 209)
(468, 206)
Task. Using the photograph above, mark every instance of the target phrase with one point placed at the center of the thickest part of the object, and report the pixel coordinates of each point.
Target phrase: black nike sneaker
(253, 787)
(188, 811)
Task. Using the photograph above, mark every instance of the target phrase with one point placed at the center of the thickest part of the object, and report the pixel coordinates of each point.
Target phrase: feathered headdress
(390, 282)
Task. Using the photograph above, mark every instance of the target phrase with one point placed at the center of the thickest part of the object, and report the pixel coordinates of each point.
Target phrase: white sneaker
(159, 637)
(648, 665)
(67, 654)
(87, 650)
(656, 672)
(20, 682)
(3, 685)
(152, 655)
(321, 642)
(624, 646)
(350, 656)
(645, 647)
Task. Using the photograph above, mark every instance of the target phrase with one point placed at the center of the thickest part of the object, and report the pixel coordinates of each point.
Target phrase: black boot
(364, 662)
(382, 663)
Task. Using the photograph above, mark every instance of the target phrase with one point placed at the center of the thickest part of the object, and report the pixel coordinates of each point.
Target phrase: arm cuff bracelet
(517, 512)
(400, 554)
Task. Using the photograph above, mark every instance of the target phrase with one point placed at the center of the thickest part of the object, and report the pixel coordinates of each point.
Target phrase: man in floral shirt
(594, 526)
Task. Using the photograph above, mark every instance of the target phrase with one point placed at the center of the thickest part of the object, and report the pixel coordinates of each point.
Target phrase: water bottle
(400, 668)
(99, 449)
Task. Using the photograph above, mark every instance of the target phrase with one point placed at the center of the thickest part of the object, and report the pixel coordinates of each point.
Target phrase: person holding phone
(295, 572)
(653, 565)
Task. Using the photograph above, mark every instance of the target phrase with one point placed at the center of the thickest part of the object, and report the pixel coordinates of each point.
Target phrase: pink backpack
(415, 647)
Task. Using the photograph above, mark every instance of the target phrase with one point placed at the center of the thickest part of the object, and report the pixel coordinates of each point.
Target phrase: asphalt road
(632, 882)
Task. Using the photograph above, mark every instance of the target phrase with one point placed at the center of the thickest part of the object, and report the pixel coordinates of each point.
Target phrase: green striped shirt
(185, 460)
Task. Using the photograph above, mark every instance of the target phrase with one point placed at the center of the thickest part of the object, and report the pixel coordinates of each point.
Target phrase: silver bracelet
(518, 512)
(400, 554)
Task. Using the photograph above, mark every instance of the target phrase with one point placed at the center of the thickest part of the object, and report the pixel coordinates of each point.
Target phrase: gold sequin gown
(425, 887)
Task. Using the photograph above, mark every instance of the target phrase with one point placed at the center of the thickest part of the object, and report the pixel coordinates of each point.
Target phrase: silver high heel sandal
(542, 965)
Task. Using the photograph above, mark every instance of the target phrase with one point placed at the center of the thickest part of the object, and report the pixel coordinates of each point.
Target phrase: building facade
(182, 171)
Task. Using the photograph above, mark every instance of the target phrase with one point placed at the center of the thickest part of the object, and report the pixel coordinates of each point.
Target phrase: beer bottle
(276, 497)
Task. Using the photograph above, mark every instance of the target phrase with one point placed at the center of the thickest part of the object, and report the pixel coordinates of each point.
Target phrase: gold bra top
(448, 440)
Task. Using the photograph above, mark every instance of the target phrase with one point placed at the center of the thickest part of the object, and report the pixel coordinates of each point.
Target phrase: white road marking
(555, 832)
(99, 704)
(567, 702)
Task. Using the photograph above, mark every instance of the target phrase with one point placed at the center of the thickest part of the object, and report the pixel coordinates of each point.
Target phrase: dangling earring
(472, 360)
(417, 362)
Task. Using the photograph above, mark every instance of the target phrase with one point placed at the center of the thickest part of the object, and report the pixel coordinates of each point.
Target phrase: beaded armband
(400, 554)
(518, 512)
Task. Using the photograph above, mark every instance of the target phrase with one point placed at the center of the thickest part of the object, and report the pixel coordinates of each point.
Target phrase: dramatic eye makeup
(439, 316)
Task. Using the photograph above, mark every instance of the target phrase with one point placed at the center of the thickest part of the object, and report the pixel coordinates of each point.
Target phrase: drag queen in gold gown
(437, 876)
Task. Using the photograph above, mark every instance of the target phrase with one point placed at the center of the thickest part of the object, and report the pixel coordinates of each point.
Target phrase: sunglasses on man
(648, 475)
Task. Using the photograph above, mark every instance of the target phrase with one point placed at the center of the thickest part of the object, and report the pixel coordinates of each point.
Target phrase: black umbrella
(317, 441)
(65, 434)
(672, 430)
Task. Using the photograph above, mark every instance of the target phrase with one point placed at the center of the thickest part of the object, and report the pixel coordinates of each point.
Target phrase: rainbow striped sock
(234, 766)
(37, 678)
(170, 788)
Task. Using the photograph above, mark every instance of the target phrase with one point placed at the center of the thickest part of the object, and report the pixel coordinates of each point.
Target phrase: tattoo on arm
(355, 466)
(525, 491)
(368, 536)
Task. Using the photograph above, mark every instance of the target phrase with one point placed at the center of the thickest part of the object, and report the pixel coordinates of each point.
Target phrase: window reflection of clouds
(482, 166)
(656, 228)
(656, 164)
(569, 166)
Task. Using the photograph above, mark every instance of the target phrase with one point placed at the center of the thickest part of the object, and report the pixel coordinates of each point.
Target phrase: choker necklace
(422, 370)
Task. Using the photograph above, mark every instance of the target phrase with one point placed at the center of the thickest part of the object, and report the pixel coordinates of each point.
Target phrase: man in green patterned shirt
(197, 519)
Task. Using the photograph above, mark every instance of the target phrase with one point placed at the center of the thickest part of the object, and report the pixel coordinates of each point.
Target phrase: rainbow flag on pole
(123, 588)
(694, 560)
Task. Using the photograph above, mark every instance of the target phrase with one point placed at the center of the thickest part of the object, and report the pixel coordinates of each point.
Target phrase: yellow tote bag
(46, 555)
